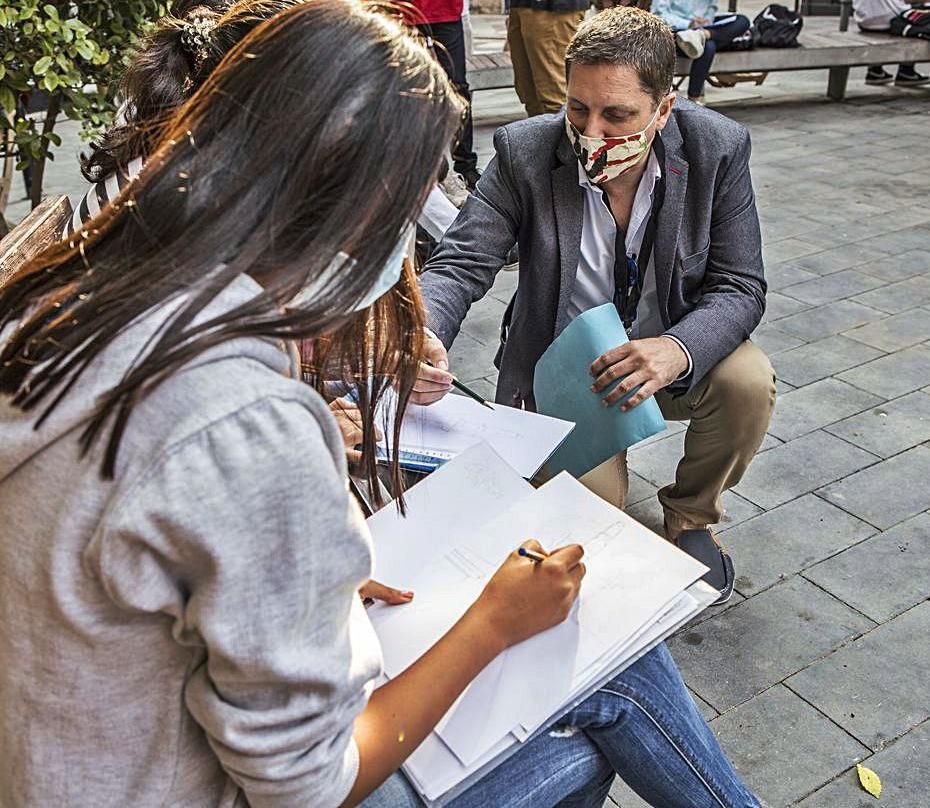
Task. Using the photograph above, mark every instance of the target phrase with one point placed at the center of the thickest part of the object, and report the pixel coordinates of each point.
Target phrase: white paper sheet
(455, 423)
(632, 576)
(443, 509)
(438, 774)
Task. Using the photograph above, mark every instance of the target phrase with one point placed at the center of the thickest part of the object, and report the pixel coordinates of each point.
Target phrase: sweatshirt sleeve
(667, 10)
(244, 535)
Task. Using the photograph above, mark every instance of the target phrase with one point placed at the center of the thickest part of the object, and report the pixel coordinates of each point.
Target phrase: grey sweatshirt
(188, 634)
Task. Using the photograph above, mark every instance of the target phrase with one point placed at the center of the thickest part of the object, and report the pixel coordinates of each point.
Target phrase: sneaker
(690, 42)
(471, 177)
(702, 545)
(910, 78)
(878, 76)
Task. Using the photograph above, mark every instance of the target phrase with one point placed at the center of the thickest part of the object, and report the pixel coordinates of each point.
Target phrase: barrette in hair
(197, 36)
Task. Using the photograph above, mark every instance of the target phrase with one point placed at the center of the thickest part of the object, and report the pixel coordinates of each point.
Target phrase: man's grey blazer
(707, 254)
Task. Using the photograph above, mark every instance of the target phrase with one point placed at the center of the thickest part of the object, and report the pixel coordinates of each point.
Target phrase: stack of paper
(462, 522)
(455, 423)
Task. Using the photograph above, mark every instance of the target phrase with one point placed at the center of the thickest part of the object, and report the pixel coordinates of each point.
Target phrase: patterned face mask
(606, 158)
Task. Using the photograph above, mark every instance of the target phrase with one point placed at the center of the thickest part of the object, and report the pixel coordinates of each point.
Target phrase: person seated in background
(876, 15)
(179, 553)
(625, 175)
(699, 33)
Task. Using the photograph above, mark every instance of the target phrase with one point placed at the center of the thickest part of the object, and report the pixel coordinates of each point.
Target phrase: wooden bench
(822, 47)
(33, 234)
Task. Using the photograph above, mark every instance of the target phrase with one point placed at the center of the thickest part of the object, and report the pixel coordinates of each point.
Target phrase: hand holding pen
(526, 596)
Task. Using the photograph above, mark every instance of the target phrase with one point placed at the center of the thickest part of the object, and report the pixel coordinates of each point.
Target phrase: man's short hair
(629, 36)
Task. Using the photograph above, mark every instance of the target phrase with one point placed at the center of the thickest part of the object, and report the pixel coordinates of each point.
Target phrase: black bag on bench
(777, 27)
(914, 23)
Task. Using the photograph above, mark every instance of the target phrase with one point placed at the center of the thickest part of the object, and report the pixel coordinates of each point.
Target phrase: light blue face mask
(344, 263)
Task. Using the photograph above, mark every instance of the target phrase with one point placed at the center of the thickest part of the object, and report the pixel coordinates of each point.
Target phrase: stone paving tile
(901, 556)
(790, 538)
(733, 656)
(777, 305)
(897, 297)
(785, 274)
(889, 429)
(469, 359)
(895, 332)
(817, 360)
(888, 492)
(798, 467)
(828, 288)
(671, 428)
(649, 512)
(841, 257)
(640, 489)
(504, 286)
(787, 249)
(827, 320)
(624, 796)
(898, 267)
(816, 405)
(483, 387)
(893, 375)
(657, 461)
(772, 340)
(911, 238)
(877, 687)
(904, 767)
(784, 748)
(782, 387)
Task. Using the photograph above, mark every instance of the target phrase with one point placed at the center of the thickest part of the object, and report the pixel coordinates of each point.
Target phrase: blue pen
(532, 555)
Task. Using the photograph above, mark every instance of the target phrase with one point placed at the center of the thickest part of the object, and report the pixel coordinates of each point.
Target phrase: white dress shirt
(594, 280)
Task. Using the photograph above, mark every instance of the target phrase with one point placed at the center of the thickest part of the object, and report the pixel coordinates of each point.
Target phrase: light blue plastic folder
(562, 387)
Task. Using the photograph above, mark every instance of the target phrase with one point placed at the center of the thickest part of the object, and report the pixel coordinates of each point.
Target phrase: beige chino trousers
(538, 40)
(728, 414)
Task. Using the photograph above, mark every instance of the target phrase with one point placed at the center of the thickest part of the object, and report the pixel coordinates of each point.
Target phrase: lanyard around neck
(630, 271)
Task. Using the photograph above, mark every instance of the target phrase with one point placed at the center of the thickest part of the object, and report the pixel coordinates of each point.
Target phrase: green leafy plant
(72, 51)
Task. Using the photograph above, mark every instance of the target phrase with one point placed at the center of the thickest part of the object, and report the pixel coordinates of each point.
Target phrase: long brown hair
(320, 133)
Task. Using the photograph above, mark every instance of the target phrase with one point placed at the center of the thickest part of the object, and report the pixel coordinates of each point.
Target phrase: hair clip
(197, 36)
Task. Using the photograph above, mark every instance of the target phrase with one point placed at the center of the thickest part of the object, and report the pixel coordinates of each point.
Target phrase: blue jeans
(720, 37)
(642, 725)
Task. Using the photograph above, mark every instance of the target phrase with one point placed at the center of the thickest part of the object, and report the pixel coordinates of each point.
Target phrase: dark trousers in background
(448, 43)
(720, 37)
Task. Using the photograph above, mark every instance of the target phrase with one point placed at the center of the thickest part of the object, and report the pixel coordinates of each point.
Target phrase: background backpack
(777, 27)
(913, 23)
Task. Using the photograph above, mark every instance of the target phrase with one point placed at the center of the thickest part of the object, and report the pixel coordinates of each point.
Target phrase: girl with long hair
(179, 556)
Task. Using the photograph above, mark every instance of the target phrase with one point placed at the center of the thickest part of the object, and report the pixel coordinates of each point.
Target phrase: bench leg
(836, 84)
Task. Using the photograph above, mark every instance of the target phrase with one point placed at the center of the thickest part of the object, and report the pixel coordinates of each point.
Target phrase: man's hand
(432, 382)
(653, 363)
(700, 22)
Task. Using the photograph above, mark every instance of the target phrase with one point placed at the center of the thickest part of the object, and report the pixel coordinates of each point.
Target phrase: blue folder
(562, 387)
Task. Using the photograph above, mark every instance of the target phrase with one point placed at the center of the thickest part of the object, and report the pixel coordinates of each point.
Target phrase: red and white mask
(606, 158)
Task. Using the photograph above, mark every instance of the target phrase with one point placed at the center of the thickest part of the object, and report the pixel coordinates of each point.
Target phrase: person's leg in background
(546, 36)
(909, 77)
(729, 412)
(643, 725)
(718, 38)
(522, 70)
(449, 47)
